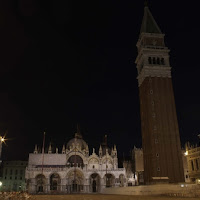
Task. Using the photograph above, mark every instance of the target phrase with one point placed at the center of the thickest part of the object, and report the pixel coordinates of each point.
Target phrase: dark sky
(69, 61)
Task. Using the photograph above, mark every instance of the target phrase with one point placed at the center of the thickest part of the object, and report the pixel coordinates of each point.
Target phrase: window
(154, 60)
(157, 155)
(93, 166)
(16, 172)
(21, 171)
(158, 61)
(152, 103)
(6, 171)
(151, 91)
(11, 172)
(192, 165)
(162, 61)
(150, 61)
(11, 178)
(197, 164)
(158, 169)
(15, 178)
(5, 177)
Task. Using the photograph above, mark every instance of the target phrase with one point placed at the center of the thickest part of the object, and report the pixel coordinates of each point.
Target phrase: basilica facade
(74, 170)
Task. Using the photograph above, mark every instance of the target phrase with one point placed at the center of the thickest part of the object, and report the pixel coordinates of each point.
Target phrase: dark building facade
(13, 176)
(160, 132)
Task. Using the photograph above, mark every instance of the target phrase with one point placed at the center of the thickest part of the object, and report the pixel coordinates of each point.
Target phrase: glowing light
(1, 183)
(186, 153)
(182, 185)
(2, 139)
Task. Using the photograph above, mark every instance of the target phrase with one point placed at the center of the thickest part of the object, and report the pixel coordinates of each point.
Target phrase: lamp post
(2, 139)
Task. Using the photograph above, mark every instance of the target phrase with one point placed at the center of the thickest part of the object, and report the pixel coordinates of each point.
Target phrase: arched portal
(75, 181)
(55, 182)
(40, 183)
(95, 185)
(109, 180)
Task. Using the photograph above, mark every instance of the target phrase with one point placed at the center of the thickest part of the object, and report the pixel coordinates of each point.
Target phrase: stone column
(33, 186)
(47, 186)
(102, 184)
(63, 185)
(87, 186)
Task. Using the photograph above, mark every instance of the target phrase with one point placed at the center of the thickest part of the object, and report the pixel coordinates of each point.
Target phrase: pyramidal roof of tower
(149, 24)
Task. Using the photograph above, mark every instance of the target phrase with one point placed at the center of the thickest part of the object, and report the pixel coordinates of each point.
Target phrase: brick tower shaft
(159, 125)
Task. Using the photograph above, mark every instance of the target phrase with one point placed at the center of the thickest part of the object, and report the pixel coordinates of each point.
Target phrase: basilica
(74, 170)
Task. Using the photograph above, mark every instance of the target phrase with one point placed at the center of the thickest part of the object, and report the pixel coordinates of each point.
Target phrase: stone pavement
(106, 197)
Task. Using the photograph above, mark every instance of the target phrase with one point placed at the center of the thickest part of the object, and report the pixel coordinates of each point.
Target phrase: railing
(108, 170)
(47, 169)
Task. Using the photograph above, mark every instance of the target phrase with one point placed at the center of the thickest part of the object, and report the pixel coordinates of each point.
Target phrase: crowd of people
(15, 196)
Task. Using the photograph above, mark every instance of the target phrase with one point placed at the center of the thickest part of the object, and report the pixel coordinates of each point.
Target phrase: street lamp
(2, 140)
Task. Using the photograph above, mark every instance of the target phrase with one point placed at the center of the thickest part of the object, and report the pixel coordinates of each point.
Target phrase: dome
(78, 142)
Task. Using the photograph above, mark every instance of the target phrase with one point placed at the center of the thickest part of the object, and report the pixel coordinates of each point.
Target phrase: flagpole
(43, 151)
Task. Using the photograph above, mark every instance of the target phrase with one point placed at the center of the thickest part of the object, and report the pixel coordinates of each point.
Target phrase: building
(74, 170)
(185, 167)
(159, 125)
(192, 154)
(139, 165)
(130, 175)
(13, 175)
(135, 167)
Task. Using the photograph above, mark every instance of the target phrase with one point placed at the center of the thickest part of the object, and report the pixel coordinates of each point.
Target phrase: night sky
(70, 62)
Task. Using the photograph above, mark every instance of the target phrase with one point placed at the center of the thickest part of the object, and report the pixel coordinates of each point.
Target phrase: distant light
(1, 183)
(182, 185)
(186, 153)
(198, 181)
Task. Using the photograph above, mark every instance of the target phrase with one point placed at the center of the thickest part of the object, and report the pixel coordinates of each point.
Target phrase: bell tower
(159, 125)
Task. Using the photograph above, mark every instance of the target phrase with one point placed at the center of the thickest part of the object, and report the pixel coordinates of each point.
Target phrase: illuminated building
(74, 170)
(192, 154)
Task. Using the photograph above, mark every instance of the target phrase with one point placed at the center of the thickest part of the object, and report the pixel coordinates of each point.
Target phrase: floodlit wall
(49, 159)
